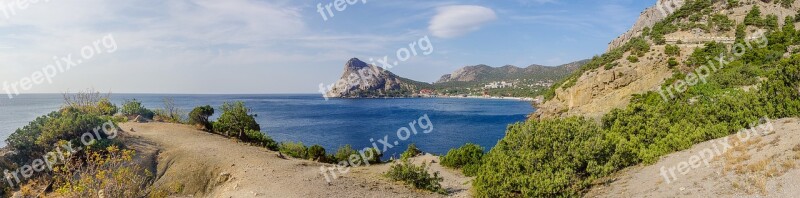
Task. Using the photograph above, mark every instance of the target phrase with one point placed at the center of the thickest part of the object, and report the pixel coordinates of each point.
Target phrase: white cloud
(457, 20)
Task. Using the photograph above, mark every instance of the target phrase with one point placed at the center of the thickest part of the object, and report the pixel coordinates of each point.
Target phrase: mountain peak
(355, 63)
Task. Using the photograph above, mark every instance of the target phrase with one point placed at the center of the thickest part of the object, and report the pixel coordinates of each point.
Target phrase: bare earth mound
(762, 165)
(208, 165)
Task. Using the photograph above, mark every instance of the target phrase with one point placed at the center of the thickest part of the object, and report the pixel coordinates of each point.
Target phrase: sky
(286, 46)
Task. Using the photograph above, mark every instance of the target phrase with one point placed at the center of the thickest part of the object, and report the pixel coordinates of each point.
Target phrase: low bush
(199, 116)
(411, 151)
(317, 153)
(134, 108)
(296, 150)
(260, 139)
(110, 173)
(344, 153)
(416, 176)
(467, 157)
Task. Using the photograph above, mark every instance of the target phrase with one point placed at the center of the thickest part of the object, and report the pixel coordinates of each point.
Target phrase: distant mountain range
(361, 80)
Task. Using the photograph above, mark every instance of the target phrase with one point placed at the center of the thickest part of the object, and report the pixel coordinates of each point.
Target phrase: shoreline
(452, 97)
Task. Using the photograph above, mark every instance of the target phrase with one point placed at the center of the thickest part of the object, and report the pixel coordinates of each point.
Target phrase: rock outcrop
(648, 18)
(361, 80)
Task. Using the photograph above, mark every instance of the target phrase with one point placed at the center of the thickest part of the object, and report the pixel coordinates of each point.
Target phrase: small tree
(199, 116)
(236, 118)
(316, 153)
(344, 153)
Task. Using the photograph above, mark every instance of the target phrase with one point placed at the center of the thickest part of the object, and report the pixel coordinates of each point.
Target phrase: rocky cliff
(361, 80)
(648, 18)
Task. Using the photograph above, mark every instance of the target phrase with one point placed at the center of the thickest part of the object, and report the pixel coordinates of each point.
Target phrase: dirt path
(759, 166)
(208, 165)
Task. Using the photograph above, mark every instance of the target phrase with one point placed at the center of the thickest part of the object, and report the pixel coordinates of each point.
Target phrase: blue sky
(285, 46)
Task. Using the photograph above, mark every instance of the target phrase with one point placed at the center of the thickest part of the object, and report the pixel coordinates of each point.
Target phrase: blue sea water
(313, 120)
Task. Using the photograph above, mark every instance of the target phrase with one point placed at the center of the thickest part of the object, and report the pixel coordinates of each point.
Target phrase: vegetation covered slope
(608, 81)
(561, 157)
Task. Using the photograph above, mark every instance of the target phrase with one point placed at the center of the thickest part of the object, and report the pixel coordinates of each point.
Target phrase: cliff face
(648, 18)
(363, 80)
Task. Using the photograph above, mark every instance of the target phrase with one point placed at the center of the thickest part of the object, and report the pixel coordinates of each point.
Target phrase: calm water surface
(313, 120)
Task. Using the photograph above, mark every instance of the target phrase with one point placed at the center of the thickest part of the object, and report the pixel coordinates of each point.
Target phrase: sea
(311, 119)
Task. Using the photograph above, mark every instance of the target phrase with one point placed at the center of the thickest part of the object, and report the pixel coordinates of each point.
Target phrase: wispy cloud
(453, 21)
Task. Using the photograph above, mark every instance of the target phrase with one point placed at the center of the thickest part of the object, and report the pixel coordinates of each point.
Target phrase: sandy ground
(761, 166)
(208, 165)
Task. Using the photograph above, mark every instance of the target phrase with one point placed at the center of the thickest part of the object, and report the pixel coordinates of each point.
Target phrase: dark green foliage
(373, 156)
(316, 153)
(771, 22)
(701, 56)
(672, 62)
(344, 153)
(672, 50)
(633, 59)
(260, 139)
(296, 150)
(105, 107)
(134, 107)
(39, 136)
(416, 176)
(785, 3)
(741, 33)
(411, 151)
(199, 116)
(235, 118)
(721, 22)
(467, 157)
(753, 17)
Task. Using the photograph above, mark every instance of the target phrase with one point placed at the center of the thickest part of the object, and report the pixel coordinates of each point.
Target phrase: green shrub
(235, 118)
(375, 156)
(411, 151)
(467, 155)
(296, 150)
(344, 153)
(199, 116)
(672, 62)
(416, 176)
(105, 107)
(633, 59)
(565, 152)
(753, 18)
(316, 153)
(260, 139)
(134, 107)
(672, 50)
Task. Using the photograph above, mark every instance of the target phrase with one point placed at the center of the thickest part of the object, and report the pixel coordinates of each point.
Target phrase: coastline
(453, 97)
